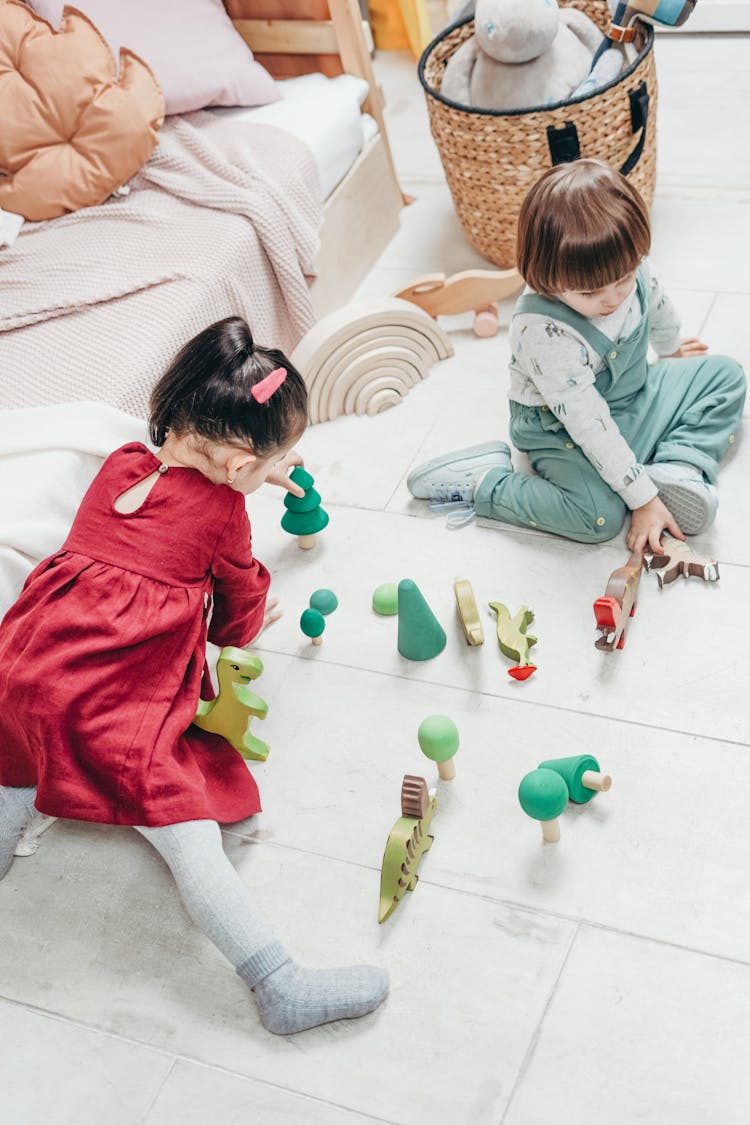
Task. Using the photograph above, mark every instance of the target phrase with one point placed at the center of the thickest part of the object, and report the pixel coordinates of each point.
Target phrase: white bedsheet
(49, 456)
(323, 112)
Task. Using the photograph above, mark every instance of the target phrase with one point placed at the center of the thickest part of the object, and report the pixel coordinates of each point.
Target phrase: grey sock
(16, 810)
(292, 999)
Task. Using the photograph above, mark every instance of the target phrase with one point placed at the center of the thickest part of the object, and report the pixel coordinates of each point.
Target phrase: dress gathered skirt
(102, 658)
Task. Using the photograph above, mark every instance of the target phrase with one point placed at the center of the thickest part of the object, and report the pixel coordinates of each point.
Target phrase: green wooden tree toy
(513, 640)
(304, 516)
(420, 634)
(438, 741)
(231, 712)
(543, 795)
(582, 776)
(407, 842)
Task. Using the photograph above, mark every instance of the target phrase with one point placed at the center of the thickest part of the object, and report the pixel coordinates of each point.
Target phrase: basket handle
(564, 146)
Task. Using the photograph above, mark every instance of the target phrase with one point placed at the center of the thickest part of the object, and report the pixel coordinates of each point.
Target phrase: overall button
(545, 408)
(613, 355)
(532, 523)
(569, 445)
(731, 439)
(600, 521)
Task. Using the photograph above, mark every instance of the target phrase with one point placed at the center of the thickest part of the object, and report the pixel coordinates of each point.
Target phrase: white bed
(92, 312)
(325, 113)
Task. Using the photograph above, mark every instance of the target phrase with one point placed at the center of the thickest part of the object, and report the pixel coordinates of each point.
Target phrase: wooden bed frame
(291, 37)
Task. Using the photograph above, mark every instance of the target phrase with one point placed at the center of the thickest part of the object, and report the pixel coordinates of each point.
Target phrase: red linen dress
(102, 656)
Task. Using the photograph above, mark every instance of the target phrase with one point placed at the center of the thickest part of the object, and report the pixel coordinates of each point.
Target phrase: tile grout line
(507, 903)
(738, 742)
(191, 1060)
(157, 1095)
(532, 1045)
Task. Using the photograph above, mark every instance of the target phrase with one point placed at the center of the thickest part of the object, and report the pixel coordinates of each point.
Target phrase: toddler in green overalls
(604, 430)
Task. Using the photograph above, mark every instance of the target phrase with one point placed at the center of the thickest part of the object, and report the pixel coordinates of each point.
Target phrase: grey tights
(289, 997)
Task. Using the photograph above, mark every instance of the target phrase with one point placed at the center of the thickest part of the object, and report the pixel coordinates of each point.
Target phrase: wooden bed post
(355, 57)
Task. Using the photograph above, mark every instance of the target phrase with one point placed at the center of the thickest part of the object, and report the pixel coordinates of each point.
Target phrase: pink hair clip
(265, 388)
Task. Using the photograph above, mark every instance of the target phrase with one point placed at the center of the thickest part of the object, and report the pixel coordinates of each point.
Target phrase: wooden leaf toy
(468, 611)
(231, 712)
(407, 842)
(618, 604)
(677, 558)
(513, 640)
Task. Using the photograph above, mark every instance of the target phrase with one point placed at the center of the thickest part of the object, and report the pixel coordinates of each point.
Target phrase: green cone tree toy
(420, 634)
(304, 516)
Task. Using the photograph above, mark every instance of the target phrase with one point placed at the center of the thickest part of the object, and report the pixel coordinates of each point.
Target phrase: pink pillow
(191, 46)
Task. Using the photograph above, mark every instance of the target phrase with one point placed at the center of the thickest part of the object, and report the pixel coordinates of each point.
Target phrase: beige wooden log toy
(476, 291)
(468, 611)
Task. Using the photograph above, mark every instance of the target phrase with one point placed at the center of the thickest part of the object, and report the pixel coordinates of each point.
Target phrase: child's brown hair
(581, 227)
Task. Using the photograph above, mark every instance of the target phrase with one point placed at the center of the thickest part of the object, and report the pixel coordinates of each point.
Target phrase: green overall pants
(673, 410)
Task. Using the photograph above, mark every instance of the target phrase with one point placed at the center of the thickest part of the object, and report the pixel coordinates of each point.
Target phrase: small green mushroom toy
(325, 601)
(543, 795)
(438, 740)
(581, 774)
(312, 623)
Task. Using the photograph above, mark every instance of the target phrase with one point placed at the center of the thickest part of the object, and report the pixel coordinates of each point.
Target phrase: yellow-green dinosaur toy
(235, 706)
(513, 640)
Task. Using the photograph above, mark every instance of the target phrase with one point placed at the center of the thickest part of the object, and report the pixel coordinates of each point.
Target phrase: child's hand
(689, 347)
(270, 614)
(279, 473)
(646, 525)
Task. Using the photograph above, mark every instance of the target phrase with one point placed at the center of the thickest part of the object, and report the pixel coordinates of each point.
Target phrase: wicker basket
(491, 159)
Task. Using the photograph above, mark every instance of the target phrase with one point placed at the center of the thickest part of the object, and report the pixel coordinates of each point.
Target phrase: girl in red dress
(103, 655)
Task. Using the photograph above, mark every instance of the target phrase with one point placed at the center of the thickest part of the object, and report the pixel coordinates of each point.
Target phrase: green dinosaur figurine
(230, 713)
(407, 842)
(513, 640)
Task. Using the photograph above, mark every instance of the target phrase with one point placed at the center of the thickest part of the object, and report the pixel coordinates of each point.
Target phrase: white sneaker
(686, 492)
(453, 477)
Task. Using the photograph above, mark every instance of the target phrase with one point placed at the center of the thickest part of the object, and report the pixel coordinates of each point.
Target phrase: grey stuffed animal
(523, 53)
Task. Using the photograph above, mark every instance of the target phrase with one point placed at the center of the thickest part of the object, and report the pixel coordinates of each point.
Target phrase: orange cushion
(72, 130)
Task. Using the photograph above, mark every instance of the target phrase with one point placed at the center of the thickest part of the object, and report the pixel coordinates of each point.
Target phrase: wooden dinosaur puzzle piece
(231, 712)
(471, 290)
(468, 611)
(513, 639)
(678, 558)
(407, 842)
(618, 604)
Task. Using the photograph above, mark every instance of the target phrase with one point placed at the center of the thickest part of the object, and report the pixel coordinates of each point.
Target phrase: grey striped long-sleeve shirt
(552, 364)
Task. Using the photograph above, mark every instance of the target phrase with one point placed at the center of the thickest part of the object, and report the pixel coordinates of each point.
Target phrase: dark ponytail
(206, 390)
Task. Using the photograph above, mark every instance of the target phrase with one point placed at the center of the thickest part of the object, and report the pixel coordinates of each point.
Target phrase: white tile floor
(602, 981)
